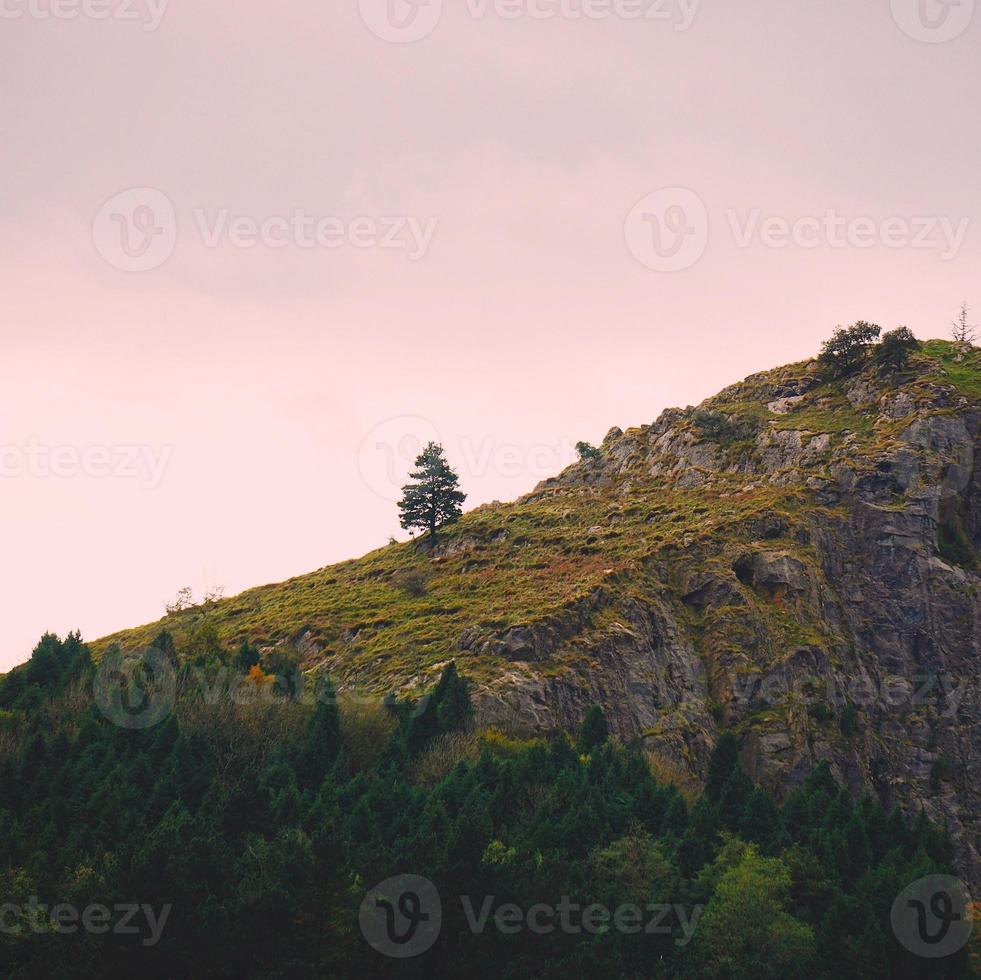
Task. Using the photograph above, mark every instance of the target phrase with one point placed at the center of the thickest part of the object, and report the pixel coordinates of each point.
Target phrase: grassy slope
(511, 564)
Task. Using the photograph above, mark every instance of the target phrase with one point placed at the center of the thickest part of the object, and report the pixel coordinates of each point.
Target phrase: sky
(253, 255)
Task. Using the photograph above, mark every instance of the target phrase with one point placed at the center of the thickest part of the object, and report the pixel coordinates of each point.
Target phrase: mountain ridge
(795, 559)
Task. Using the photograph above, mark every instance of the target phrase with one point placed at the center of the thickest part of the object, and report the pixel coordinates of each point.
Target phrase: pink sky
(258, 385)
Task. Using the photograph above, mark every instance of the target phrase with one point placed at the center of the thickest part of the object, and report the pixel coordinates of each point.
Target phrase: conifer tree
(322, 739)
(962, 331)
(722, 763)
(454, 710)
(433, 499)
(593, 731)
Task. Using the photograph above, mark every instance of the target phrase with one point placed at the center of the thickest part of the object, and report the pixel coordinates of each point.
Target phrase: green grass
(536, 558)
(964, 375)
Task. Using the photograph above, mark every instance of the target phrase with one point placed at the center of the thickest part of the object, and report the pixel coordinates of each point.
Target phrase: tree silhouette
(433, 498)
(962, 331)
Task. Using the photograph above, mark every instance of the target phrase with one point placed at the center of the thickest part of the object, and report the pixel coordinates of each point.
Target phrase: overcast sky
(252, 253)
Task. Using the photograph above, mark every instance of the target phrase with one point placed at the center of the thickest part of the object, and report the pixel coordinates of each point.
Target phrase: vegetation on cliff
(249, 830)
(645, 682)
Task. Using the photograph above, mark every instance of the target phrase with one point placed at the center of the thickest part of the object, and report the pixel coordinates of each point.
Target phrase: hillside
(771, 599)
(796, 559)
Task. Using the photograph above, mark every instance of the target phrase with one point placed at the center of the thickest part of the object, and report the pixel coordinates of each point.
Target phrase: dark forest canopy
(249, 831)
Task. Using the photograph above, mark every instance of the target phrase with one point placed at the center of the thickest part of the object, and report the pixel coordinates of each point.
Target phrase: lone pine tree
(433, 497)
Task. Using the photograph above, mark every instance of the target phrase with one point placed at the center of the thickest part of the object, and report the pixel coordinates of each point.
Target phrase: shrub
(942, 769)
(719, 427)
(593, 731)
(505, 746)
(183, 600)
(848, 722)
(587, 451)
(962, 331)
(953, 544)
(413, 582)
(203, 646)
(847, 347)
(443, 755)
(632, 867)
(366, 729)
(248, 656)
(820, 712)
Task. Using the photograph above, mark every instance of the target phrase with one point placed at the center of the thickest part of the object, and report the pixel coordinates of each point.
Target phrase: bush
(953, 544)
(184, 600)
(593, 731)
(848, 722)
(719, 427)
(894, 351)
(941, 770)
(587, 451)
(366, 729)
(820, 712)
(413, 582)
(248, 656)
(847, 348)
(443, 755)
(716, 710)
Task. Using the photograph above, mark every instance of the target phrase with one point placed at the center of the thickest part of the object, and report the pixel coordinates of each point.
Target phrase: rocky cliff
(795, 559)
(840, 623)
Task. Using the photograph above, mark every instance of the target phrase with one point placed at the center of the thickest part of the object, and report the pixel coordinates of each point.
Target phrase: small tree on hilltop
(846, 349)
(586, 451)
(433, 498)
(962, 331)
(184, 600)
(894, 351)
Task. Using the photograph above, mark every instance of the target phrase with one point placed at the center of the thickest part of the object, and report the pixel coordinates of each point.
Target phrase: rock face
(797, 559)
(846, 631)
